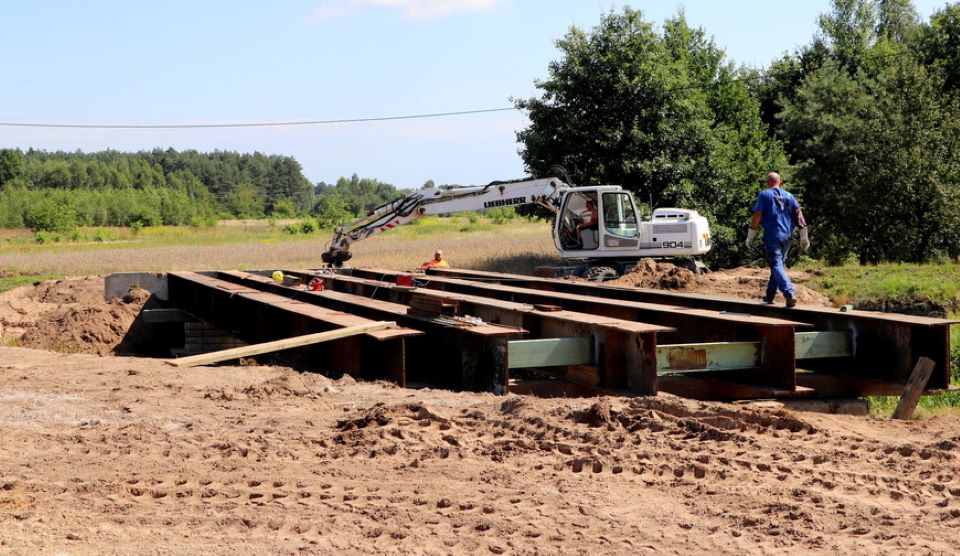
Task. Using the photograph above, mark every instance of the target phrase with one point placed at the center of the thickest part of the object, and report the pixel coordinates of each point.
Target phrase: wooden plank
(713, 356)
(815, 345)
(913, 389)
(277, 345)
(550, 352)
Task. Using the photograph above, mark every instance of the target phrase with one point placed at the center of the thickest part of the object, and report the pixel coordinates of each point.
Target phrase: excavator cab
(596, 219)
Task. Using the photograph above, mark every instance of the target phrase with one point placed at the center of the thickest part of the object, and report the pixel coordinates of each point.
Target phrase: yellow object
(278, 276)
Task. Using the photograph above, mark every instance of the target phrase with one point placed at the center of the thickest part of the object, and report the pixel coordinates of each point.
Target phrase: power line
(692, 86)
(255, 124)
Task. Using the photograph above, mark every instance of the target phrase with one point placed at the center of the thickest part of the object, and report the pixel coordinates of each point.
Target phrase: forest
(863, 122)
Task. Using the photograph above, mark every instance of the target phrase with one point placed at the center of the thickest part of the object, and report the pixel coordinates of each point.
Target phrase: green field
(471, 241)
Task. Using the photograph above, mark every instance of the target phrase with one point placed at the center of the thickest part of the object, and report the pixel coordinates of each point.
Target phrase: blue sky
(183, 62)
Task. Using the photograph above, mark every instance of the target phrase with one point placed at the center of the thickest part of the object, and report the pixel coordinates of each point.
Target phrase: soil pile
(743, 282)
(69, 316)
(119, 454)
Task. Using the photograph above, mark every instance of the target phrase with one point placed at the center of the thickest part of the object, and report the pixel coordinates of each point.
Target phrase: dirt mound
(69, 315)
(657, 275)
(743, 282)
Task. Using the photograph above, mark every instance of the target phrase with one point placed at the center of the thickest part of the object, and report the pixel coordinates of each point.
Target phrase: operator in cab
(436, 262)
(591, 212)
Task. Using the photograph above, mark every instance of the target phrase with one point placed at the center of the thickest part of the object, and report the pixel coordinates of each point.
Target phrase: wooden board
(913, 389)
(277, 345)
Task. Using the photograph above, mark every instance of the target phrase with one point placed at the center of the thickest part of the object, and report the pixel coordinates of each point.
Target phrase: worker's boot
(791, 301)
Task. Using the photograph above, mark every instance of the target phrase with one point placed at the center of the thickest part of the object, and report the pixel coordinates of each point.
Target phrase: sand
(125, 455)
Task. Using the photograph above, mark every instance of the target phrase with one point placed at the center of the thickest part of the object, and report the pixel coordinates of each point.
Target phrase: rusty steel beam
(625, 348)
(692, 325)
(449, 355)
(259, 317)
(886, 346)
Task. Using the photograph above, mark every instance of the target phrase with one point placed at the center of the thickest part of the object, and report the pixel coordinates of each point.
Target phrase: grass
(475, 242)
(8, 281)
(936, 286)
(929, 406)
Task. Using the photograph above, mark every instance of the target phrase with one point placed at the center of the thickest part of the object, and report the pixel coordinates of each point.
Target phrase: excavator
(597, 226)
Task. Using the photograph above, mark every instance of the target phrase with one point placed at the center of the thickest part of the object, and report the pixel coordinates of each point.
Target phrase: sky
(221, 61)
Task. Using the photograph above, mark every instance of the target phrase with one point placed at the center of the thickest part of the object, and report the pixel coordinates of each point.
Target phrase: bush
(50, 216)
(308, 226)
(502, 214)
(43, 237)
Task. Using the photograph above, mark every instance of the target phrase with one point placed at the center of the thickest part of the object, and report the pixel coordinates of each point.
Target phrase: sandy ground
(105, 454)
(124, 455)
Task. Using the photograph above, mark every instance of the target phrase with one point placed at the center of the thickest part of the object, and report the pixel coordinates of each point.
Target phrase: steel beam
(691, 325)
(455, 356)
(256, 316)
(549, 352)
(885, 346)
(625, 348)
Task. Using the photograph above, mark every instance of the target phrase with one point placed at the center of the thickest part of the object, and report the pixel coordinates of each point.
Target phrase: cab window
(619, 216)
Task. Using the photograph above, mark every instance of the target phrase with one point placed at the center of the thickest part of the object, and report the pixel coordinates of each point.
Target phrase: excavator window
(579, 227)
(619, 216)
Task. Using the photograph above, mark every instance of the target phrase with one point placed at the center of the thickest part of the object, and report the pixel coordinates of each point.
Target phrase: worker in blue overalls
(779, 213)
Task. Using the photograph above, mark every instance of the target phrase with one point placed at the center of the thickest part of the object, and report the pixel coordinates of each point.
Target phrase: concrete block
(119, 284)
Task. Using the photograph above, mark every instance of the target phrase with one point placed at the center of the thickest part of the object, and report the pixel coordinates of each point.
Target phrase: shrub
(308, 226)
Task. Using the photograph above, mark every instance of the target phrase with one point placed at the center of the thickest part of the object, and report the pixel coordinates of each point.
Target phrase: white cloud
(428, 9)
(326, 12)
(409, 9)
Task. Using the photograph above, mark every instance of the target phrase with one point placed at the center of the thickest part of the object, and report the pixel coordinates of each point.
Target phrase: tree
(662, 114)
(848, 31)
(875, 149)
(939, 45)
(11, 165)
(359, 195)
(244, 202)
(897, 20)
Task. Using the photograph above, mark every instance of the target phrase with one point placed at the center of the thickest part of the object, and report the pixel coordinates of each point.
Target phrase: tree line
(862, 122)
(59, 191)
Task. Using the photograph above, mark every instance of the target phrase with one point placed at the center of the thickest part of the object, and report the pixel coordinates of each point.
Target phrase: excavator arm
(429, 201)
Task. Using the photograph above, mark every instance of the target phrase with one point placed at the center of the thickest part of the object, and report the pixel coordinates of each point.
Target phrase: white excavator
(597, 226)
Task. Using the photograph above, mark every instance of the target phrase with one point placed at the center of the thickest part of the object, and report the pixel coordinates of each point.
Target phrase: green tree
(665, 115)
(939, 45)
(875, 150)
(244, 202)
(897, 20)
(11, 165)
(848, 31)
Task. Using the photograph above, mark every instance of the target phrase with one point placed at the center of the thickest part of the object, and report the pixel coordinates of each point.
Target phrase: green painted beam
(717, 356)
(814, 345)
(551, 352)
(723, 356)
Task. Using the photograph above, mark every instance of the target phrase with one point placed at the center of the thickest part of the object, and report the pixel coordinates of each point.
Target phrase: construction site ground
(108, 454)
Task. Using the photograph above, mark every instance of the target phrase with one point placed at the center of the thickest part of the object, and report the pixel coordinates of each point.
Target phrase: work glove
(804, 239)
(751, 234)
